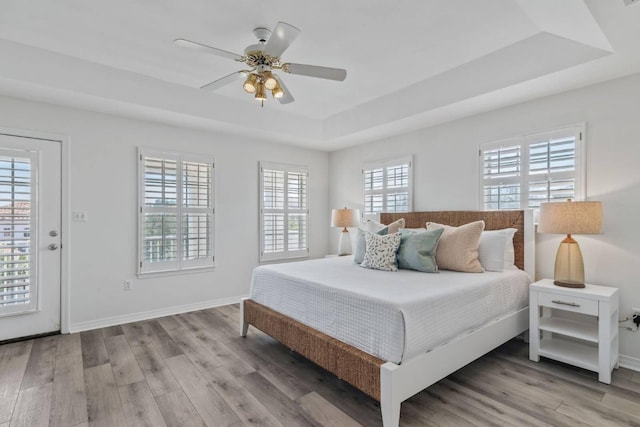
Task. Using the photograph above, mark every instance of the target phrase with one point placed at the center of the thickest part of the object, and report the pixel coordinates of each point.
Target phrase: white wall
(103, 182)
(446, 176)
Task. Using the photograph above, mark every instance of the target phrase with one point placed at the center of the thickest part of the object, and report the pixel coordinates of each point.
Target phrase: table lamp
(570, 218)
(344, 218)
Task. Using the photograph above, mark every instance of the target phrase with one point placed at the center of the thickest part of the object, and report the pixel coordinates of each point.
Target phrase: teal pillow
(361, 244)
(417, 250)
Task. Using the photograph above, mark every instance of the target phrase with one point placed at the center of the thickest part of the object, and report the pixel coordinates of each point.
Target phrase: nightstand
(588, 338)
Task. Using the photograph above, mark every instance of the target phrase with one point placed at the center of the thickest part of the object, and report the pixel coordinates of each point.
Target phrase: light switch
(80, 216)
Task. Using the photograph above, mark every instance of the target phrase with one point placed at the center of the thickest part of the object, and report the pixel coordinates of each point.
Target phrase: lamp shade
(344, 217)
(570, 218)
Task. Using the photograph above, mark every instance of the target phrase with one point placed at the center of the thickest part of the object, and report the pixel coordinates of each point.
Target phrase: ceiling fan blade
(287, 98)
(217, 84)
(316, 71)
(207, 49)
(281, 38)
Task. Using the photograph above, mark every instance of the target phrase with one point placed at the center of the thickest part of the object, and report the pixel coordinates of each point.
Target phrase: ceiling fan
(263, 58)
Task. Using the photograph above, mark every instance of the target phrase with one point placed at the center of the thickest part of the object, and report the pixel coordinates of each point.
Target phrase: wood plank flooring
(194, 370)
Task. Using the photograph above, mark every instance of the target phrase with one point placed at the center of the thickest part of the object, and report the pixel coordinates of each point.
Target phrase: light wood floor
(194, 370)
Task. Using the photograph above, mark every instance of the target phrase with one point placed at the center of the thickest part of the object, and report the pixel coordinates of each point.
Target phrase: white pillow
(496, 251)
(374, 226)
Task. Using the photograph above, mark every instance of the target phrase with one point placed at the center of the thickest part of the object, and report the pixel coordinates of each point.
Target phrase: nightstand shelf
(572, 352)
(572, 328)
(578, 326)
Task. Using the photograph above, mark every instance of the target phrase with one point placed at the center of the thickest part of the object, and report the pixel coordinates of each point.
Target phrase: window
(524, 172)
(176, 211)
(388, 186)
(284, 212)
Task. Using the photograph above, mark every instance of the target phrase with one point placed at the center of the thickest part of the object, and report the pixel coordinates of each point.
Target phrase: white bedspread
(391, 315)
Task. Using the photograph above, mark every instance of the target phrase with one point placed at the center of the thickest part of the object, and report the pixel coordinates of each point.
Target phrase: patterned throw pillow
(381, 252)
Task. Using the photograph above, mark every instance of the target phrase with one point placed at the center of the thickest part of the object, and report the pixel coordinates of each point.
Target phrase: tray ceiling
(410, 64)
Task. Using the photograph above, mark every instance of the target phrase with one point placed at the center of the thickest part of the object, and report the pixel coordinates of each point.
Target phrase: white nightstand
(590, 340)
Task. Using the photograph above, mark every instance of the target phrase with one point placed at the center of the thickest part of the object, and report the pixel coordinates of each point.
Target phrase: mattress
(391, 315)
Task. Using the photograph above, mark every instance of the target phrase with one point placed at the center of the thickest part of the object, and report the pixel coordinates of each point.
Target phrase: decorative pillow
(417, 250)
(495, 252)
(415, 230)
(458, 247)
(374, 226)
(381, 252)
(361, 245)
(510, 254)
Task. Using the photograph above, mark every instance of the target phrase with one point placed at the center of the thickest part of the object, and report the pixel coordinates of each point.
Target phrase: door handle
(52, 247)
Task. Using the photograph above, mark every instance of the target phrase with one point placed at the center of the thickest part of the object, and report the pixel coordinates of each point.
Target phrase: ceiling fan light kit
(250, 84)
(277, 92)
(261, 94)
(263, 58)
(270, 82)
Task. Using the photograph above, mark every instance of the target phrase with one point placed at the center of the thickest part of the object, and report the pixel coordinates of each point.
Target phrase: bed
(384, 369)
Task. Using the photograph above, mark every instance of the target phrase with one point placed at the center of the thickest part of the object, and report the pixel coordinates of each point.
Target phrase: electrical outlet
(128, 285)
(635, 317)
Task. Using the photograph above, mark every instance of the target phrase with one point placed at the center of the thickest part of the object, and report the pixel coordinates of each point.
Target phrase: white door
(30, 191)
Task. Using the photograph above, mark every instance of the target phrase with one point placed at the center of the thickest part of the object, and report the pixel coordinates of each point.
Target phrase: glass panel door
(30, 236)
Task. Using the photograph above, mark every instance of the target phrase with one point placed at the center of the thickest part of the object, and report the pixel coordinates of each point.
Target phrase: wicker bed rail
(348, 363)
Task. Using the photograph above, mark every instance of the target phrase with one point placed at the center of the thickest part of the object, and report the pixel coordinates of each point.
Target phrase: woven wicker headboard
(493, 220)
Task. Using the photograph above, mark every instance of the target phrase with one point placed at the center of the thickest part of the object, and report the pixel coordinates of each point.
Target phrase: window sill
(167, 273)
(282, 260)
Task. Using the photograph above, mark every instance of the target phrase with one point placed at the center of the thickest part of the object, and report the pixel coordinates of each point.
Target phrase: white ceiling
(410, 63)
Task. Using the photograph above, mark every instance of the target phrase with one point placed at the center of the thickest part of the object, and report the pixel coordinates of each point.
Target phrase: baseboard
(151, 314)
(629, 362)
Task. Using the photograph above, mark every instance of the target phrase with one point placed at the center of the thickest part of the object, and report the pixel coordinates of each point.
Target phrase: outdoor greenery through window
(388, 186)
(284, 212)
(524, 172)
(176, 211)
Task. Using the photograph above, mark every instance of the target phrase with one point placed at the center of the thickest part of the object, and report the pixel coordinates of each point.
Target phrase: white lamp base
(344, 245)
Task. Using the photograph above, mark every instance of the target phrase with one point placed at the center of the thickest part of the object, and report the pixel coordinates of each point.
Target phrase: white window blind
(176, 211)
(524, 172)
(388, 186)
(284, 212)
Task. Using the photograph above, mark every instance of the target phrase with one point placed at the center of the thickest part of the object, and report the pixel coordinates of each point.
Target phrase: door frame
(65, 218)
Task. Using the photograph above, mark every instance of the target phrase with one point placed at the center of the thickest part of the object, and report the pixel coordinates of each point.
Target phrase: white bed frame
(400, 382)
